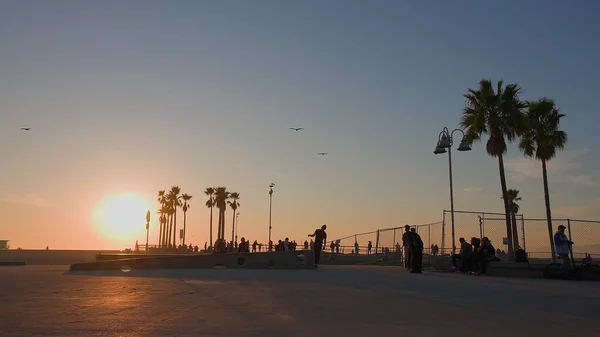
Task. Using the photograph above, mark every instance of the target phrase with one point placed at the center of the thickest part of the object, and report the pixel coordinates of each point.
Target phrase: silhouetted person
(416, 247)
(369, 247)
(254, 245)
(484, 254)
(243, 247)
(332, 246)
(305, 245)
(406, 247)
(320, 238)
(465, 252)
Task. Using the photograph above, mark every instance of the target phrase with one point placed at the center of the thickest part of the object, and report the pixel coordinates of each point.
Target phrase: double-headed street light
(446, 141)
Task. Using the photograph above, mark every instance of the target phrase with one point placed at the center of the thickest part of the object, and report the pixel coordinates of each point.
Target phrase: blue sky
(141, 95)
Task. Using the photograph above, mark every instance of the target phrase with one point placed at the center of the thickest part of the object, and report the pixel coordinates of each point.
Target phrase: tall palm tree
(541, 141)
(175, 198)
(210, 204)
(164, 211)
(513, 197)
(221, 196)
(162, 200)
(233, 204)
(170, 210)
(185, 197)
(499, 114)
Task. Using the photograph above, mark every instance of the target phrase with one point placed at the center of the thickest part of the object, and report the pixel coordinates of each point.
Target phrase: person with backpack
(416, 249)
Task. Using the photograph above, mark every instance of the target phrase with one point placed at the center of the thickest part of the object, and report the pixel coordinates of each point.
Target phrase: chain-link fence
(358, 243)
(532, 234)
(390, 239)
(468, 224)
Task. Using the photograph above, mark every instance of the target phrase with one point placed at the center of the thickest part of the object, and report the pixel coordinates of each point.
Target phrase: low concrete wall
(277, 260)
(120, 256)
(50, 257)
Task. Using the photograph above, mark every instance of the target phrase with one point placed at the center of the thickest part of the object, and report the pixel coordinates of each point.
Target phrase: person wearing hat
(406, 247)
(563, 247)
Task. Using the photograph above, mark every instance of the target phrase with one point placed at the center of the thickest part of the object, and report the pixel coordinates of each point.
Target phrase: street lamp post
(147, 229)
(270, 213)
(237, 225)
(445, 141)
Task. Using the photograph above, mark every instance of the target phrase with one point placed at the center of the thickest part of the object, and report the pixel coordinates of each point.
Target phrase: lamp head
(464, 145)
(439, 149)
(444, 141)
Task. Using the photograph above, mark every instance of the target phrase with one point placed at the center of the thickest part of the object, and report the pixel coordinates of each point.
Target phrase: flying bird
(322, 153)
(25, 129)
(296, 129)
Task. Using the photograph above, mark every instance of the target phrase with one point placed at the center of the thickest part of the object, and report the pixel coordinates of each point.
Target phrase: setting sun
(121, 217)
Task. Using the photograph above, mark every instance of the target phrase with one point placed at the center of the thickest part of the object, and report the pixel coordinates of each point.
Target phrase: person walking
(563, 247)
(320, 238)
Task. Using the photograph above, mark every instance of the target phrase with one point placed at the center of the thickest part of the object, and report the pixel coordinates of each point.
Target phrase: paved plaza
(333, 301)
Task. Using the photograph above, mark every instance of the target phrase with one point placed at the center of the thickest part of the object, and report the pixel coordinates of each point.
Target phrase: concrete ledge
(11, 263)
(517, 269)
(121, 256)
(276, 260)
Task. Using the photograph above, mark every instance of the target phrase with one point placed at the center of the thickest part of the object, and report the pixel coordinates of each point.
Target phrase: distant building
(4, 244)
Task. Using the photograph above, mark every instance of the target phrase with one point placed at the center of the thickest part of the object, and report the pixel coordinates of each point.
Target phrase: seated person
(587, 261)
(484, 254)
(464, 255)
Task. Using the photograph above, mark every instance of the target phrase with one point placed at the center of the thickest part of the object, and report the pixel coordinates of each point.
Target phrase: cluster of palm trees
(219, 198)
(169, 202)
(499, 112)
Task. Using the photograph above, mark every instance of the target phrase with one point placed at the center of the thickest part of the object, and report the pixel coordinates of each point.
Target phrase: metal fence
(532, 233)
(389, 239)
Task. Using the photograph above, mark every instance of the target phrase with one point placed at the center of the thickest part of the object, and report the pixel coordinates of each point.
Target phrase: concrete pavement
(332, 301)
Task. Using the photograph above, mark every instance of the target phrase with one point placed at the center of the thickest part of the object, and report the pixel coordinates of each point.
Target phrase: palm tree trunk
(506, 206)
(219, 225)
(233, 225)
(223, 224)
(159, 232)
(211, 242)
(170, 234)
(184, 223)
(175, 227)
(164, 234)
(548, 211)
(515, 232)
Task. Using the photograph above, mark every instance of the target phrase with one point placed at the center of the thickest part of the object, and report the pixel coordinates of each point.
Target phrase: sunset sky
(136, 96)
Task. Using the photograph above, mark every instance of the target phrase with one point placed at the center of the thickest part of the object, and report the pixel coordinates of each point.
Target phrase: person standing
(563, 247)
(406, 246)
(416, 248)
(320, 238)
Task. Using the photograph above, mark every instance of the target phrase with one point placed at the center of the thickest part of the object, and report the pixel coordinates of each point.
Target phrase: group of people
(474, 256)
(413, 250)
